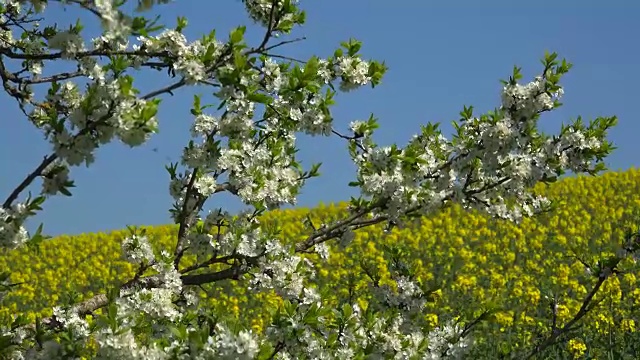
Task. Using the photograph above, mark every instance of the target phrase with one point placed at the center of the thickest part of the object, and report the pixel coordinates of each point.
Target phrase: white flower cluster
(259, 168)
(71, 321)
(68, 42)
(246, 239)
(224, 343)
(15, 337)
(353, 71)
(178, 190)
(107, 109)
(260, 174)
(116, 28)
(54, 178)
(14, 7)
(157, 302)
(187, 59)
(283, 272)
(496, 159)
(385, 337)
(123, 345)
(137, 249)
(407, 296)
(529, 99)
(383, 175)
(12, 232)
(274, 77)
(306, 114)
(228, 345)
(261, 11)
(445, 342)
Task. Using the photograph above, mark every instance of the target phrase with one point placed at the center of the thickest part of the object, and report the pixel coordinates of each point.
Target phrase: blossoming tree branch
(244, 142)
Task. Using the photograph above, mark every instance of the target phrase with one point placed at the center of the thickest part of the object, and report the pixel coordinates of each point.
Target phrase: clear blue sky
(441, 57)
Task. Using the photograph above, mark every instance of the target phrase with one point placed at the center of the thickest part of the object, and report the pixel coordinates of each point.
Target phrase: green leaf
(208, 56)
(239, 60)
(182, 23)
(237, 35)
(65, 191)
(197, 108)
(260, 98)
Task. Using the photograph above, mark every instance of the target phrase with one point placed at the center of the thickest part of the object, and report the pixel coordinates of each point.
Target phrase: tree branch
(556, 333)
(28, 180)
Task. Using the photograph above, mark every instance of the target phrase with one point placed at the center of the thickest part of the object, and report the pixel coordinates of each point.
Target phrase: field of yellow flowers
(473, 263)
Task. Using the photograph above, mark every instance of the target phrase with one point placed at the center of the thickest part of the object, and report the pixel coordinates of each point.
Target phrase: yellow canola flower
(577, 348)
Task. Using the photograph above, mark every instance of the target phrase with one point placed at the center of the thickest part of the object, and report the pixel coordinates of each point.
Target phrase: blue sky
(441, 56)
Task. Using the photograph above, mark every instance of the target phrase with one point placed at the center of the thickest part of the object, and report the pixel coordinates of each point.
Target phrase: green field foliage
(473, 264)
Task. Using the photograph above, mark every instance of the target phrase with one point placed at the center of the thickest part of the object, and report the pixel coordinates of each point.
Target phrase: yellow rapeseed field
(472, 262)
